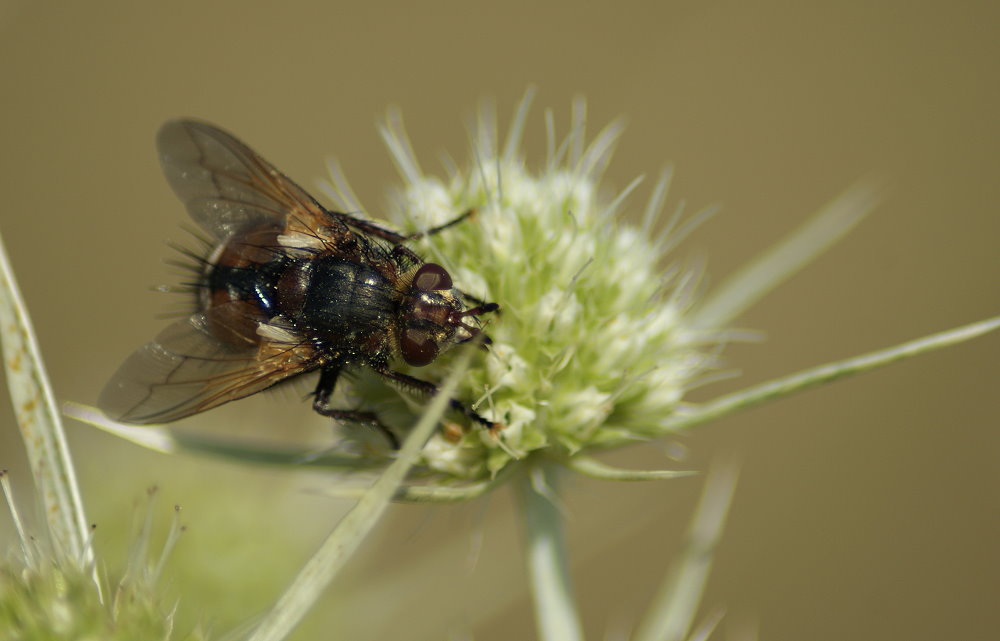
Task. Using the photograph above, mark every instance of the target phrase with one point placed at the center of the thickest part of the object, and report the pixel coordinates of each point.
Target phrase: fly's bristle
(184, 268)
(203, 240)
(190, 256)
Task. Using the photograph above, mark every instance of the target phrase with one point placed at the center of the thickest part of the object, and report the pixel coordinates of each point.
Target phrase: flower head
(47, 595)
(591, 348)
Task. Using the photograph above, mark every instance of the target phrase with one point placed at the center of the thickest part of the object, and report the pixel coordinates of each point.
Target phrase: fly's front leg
(483, 306)
(430, 389)
(393, 237)
(440, 228)
(321, 404)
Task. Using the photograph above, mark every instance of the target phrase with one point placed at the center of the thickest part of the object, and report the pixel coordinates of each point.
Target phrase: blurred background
(866, 509)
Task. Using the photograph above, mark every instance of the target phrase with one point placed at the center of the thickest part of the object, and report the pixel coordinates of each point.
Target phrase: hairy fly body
(288, 287)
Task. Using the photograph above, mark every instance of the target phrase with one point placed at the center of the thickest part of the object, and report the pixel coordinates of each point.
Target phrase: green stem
(758, 394)
(556, 616)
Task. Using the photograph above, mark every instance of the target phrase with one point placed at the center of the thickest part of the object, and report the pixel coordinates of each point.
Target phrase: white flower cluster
(590, 348)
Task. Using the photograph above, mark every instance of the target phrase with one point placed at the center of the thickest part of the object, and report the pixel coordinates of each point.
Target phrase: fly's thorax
(336, 299)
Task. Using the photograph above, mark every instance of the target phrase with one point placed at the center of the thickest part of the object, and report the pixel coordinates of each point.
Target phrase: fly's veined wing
(227, 187)
(188, 369)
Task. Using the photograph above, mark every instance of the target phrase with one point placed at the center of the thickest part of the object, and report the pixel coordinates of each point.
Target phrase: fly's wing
(227, 188)
(190, 368)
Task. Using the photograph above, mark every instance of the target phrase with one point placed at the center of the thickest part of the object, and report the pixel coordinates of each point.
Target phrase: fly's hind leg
(321, 404)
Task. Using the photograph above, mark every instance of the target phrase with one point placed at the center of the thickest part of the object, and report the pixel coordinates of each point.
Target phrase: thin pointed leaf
(27, 550)
(513, 142)
(771, 268)
(708, 626)
(778, 388)
(602, 471)
(674, 607)
(428, 493)
(168, 440)
(40, 424)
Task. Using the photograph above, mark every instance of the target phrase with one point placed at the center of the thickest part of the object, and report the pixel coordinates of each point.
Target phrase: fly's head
(433, 317)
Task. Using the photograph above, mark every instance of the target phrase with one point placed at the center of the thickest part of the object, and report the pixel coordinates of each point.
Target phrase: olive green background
(866, 509)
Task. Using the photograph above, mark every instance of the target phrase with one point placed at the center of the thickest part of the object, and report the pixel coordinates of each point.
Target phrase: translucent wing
(228, 188)
(190, 368)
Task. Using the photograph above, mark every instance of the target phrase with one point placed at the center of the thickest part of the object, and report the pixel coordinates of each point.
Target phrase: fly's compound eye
(431, 277)
(417, 346)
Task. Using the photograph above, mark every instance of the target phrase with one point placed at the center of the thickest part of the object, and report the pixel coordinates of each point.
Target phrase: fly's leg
(394, 237)
(321, 403)
(440, 228)
(430, 389)
(483, 305)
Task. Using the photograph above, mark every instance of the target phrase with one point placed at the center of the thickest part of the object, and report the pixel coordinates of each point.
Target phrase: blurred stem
(672, 612)
(556, 616)
(788, 257)
(313, 579)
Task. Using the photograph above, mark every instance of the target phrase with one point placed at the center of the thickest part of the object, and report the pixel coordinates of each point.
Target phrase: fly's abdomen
(240, 285)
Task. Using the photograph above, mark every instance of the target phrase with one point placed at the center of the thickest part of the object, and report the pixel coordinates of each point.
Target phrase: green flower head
(590, 348)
